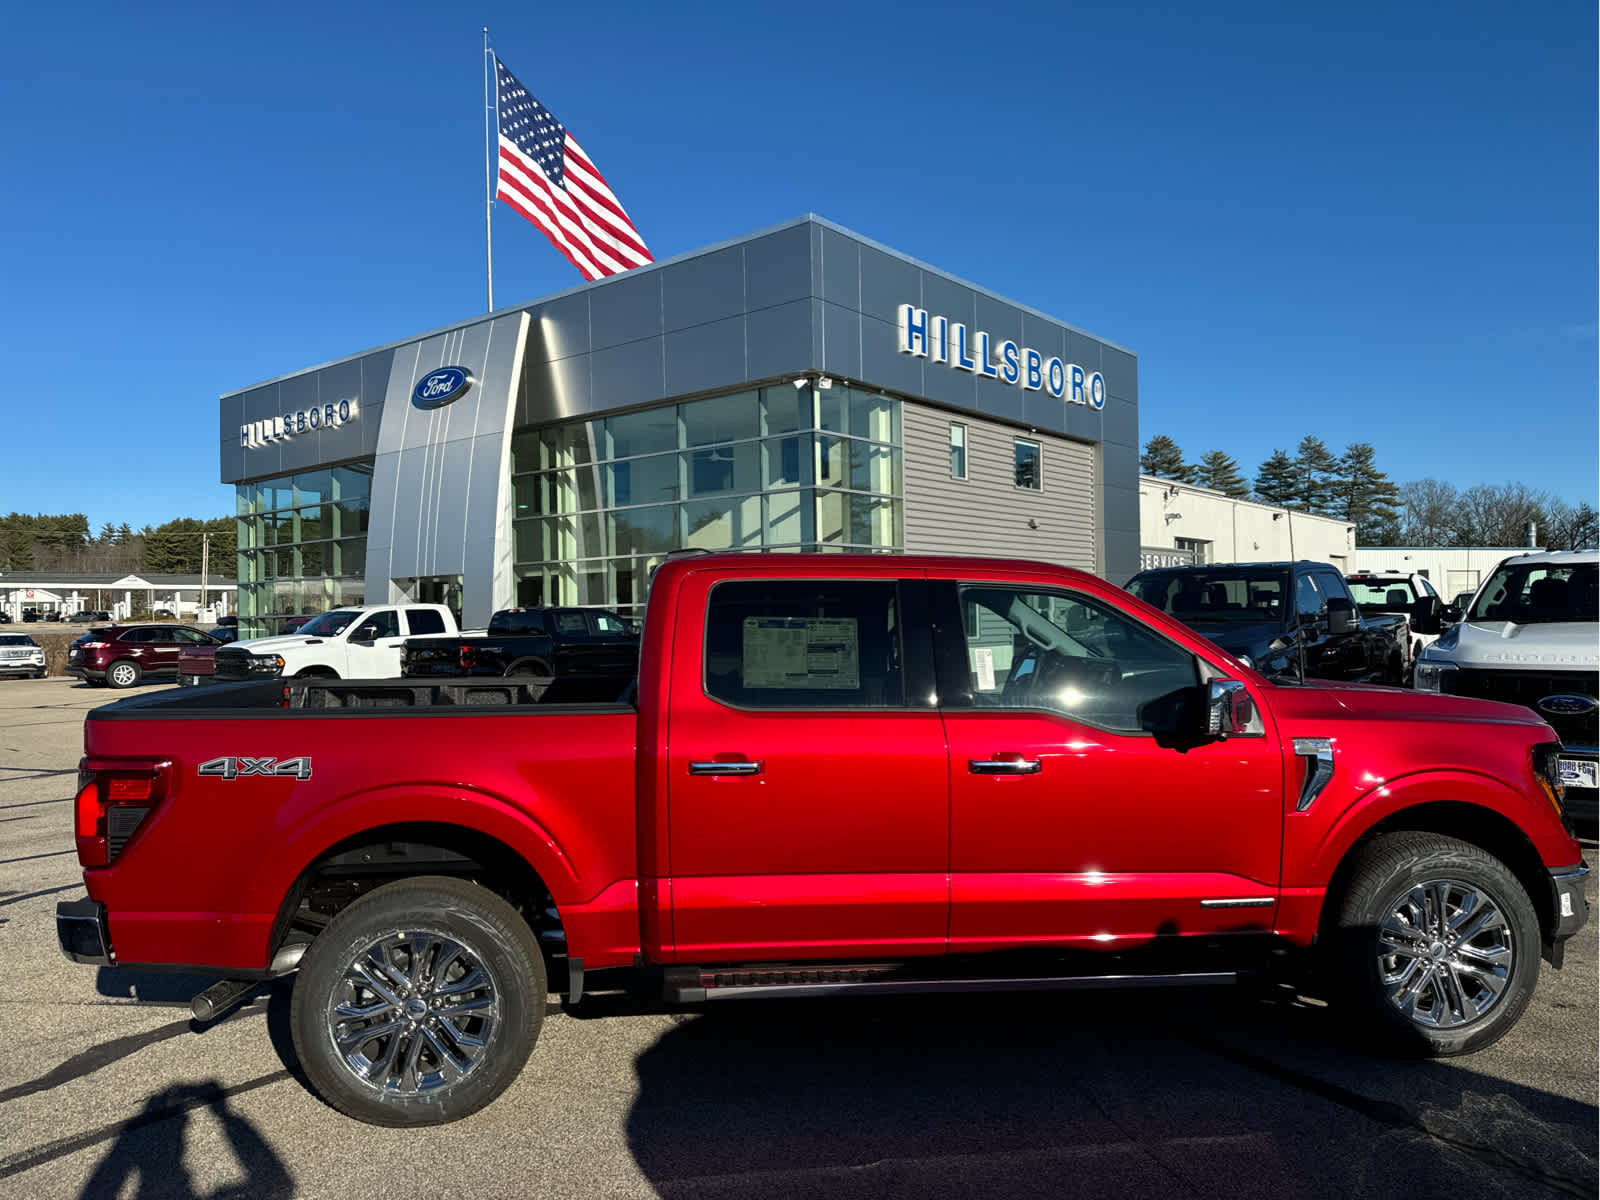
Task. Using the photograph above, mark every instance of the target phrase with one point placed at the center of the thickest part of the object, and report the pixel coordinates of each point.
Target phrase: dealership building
(801, 388)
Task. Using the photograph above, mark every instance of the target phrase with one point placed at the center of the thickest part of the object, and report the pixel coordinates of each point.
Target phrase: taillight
(93, 645)
(115, 795)
(469, 657)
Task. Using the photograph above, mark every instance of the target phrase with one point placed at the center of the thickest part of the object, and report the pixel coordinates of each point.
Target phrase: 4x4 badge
(238, 768)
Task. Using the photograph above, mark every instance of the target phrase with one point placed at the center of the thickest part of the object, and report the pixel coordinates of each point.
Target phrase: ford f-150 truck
(1295, 619)
(835, 774)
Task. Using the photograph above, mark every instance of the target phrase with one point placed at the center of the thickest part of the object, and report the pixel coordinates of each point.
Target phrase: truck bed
(325, 697)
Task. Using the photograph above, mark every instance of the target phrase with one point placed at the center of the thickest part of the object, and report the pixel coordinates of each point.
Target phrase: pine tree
(1275, 479)
(1314, 464)
(1364, 496)
(124, 534)
(108, 534)
(1221, 474)
(1163, 459)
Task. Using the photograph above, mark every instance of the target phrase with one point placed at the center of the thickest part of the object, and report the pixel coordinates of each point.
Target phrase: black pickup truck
(557, 642)
(1286, 619)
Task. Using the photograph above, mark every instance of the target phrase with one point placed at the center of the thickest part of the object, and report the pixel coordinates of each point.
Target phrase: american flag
(546, 176)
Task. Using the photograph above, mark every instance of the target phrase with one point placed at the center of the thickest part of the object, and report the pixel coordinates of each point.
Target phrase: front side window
(804, 644)
(1219, 596)
(385, 624)
(607, 624)
(1028, 465)
(958, 450)
(1069, 654)
(1308, 602)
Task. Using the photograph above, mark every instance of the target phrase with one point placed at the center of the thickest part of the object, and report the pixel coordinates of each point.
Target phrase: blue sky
(1367, 222)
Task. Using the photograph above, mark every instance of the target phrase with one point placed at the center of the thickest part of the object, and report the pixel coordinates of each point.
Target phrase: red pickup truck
(835, 774)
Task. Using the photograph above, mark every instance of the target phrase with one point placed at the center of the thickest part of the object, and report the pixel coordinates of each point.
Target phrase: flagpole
(488, 173)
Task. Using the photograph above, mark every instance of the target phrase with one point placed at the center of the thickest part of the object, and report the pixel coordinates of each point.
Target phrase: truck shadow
(150, 1148)
(1134, 1095)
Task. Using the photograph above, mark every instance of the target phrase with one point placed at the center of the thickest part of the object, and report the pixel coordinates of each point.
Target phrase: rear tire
(446, 981)
(123, 673)
(1434, 947)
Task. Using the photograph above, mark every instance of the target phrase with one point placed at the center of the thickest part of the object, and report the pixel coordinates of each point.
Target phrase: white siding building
(1181, 523)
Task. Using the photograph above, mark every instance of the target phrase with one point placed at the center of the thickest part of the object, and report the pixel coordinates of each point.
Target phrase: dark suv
(121, 655)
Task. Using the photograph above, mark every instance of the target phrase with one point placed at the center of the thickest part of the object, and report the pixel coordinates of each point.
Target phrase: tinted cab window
(424, 621)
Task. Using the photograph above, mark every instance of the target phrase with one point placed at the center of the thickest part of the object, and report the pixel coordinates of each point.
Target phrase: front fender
(1316, 842)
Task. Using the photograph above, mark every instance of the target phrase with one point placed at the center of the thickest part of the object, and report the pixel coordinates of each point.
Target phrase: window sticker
(802, 652)
(983, 663)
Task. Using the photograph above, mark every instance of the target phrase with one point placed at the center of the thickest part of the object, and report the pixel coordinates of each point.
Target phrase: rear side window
(571, 623)
(518, 621)
(424, 621)
(806, 644)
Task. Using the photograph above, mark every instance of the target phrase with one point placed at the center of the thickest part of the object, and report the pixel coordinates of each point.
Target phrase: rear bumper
(82, 931)
(92, 674)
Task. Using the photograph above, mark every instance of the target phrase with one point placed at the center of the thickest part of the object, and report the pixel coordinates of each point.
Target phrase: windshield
(16, 639)
(1383, 595)
(329, 623)
(1229, 596)
(1529, 592)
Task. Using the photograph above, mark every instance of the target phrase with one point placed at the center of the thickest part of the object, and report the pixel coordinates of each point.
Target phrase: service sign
(304, 420)
(942, 340)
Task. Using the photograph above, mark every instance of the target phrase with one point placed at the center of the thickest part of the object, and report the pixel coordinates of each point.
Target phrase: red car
(838, 774)
(119, 656)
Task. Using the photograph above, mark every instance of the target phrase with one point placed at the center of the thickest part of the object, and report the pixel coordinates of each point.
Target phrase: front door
(374, 646)
(1075, 818)
(808, 797)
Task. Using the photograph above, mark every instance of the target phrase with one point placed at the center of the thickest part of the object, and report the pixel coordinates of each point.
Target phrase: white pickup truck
(1532, 636)
(344, 643)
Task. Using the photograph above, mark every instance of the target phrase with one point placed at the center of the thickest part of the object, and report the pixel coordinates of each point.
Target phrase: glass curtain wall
(302, 545)
(599, 503)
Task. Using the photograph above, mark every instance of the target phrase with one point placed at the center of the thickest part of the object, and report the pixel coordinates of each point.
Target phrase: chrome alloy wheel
(123, 675)
(415, 1011)
(1445, 953)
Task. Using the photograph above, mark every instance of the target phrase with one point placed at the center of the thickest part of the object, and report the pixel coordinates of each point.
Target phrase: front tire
(419, 1003)
(1435, 946)
(122, 674)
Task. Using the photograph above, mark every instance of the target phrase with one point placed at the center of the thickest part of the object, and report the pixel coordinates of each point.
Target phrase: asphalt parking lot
(107, 1088)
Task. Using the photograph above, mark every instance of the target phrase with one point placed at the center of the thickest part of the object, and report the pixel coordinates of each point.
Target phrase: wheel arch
(529, 661)
(367, 858)
(1476, 824)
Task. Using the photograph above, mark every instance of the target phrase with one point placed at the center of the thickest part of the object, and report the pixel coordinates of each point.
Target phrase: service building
(801, 388)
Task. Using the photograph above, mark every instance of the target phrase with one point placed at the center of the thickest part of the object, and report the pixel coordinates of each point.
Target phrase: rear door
(616, 651)
(808, 795)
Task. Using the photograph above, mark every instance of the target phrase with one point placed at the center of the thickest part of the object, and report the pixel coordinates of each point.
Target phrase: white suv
(21, 655)
(346, 643)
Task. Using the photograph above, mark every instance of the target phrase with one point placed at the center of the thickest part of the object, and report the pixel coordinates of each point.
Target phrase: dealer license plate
(1579, 772)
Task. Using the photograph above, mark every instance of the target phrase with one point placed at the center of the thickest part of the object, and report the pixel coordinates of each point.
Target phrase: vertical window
(958, 450)
(1308, 602)
(1028, 472)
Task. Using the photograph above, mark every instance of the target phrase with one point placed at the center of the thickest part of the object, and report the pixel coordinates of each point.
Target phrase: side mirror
(1450, 614)
(1342, 616)
(1425, 614)
(1229, 709)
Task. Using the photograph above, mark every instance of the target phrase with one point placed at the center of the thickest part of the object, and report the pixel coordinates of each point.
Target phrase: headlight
(1547, 769)
(1433, 676)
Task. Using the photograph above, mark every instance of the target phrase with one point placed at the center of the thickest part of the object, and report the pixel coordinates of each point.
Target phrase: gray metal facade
(803, 297)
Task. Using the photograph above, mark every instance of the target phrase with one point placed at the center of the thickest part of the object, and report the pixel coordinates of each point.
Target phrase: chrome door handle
(725, 768)
(1003, 766)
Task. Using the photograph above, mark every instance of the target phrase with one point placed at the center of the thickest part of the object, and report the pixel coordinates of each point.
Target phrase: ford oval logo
(438, 388)
(1568, 705)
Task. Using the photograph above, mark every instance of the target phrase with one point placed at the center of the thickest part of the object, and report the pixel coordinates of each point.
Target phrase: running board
(691, 985)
